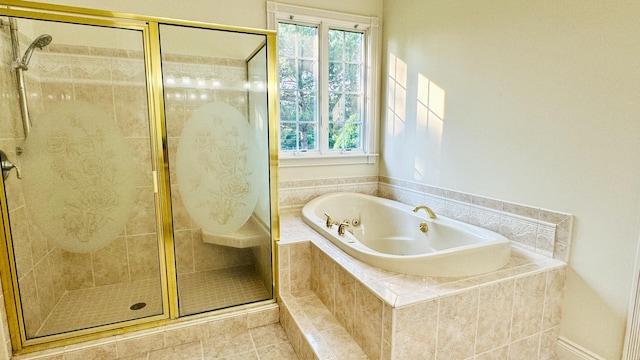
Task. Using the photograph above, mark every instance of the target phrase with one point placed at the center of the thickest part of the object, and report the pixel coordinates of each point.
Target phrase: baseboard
(568, 350)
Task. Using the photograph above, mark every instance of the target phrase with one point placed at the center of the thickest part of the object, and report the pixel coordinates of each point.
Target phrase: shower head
(40, 42)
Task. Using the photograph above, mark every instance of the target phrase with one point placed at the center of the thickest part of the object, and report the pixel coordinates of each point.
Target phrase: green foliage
(298, 70)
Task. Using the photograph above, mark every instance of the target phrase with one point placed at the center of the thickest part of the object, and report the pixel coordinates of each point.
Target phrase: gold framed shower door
(150, 30)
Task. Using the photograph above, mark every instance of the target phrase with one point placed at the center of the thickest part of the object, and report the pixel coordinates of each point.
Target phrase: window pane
(288, 73)
(288, 105)
(346, 90)
(308, 38)
(288, 136)
(352, 135)
(298, 69)
(335, 138)
(287, 40)
(353, 77)
(336, 76)
(307, 72)
(336, 107)
(353, 108)
(308, 107)
(353, 46)
(307, 135)
(345, 136)
(336, 45)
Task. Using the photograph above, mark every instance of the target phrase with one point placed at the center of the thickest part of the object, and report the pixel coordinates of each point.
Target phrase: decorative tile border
(297, 193)
(543, 231)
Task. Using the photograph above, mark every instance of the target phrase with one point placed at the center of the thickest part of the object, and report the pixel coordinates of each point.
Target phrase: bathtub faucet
(427, 209)
(329, 220)
(341, 228)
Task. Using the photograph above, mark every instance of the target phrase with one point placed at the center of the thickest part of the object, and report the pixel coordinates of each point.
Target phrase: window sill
(326, 160)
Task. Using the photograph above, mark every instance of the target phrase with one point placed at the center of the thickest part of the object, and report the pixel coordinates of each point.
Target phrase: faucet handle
(341, 228)
(329, 222)
(7, 165)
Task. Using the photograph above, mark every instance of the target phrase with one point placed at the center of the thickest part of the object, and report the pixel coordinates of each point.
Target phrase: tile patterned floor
(262, 343)
(217, 289)
(81, 309)
(198, 292)
(268, 342)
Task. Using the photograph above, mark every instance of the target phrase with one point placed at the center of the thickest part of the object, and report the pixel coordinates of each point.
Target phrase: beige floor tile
(282, 351)
(251, 355)
(231, 343)
(268, 335)
(192, 351)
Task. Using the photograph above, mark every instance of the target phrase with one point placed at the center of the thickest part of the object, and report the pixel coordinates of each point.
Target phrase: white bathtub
(388, 236)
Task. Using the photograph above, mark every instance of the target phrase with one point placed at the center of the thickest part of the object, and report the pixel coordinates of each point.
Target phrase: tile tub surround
(512, 312)
(294, 194)
(243, 334)
(542, 231)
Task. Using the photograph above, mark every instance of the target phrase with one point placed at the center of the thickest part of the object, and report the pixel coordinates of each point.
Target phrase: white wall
(541, 107)
(246, 13)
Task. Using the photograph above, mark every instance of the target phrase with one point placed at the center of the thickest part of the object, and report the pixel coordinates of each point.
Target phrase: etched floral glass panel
(216, 111)
(82, 215)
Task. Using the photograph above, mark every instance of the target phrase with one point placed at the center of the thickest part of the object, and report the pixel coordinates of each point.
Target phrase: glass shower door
(83, 214)
(217, 135)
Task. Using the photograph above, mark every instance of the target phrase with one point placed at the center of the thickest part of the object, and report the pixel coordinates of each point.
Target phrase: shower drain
(137, 306)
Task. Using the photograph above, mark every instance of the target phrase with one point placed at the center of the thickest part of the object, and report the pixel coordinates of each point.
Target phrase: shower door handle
(7, 165)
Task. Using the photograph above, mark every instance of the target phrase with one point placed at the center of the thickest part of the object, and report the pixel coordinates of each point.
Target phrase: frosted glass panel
(215, 163)
(215, 106)
(83, 220)
(77, 172)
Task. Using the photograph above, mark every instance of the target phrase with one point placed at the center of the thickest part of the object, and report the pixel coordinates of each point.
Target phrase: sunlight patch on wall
(397, 96)
(429, 127)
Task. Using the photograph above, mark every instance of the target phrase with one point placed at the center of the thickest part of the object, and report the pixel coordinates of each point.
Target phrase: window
(327, 84)
(298, 86)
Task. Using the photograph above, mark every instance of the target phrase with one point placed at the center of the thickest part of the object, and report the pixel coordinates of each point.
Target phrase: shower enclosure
(138, 171)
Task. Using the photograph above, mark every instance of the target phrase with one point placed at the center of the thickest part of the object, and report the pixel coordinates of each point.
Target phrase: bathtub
(386, 234)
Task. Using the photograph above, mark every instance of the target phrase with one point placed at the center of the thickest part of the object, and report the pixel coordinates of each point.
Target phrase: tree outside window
(327, 82)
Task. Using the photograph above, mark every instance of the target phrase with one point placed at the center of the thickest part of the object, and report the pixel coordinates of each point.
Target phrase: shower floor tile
(198, 292)
(217, 289)
(81, 309)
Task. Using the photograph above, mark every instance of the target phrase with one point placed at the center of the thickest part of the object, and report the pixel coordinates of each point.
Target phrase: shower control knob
(7, 165)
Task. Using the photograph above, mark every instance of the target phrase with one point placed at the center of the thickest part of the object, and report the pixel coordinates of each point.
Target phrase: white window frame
(325, 20)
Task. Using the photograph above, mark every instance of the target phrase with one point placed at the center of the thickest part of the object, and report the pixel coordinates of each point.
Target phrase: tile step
(313, 331)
